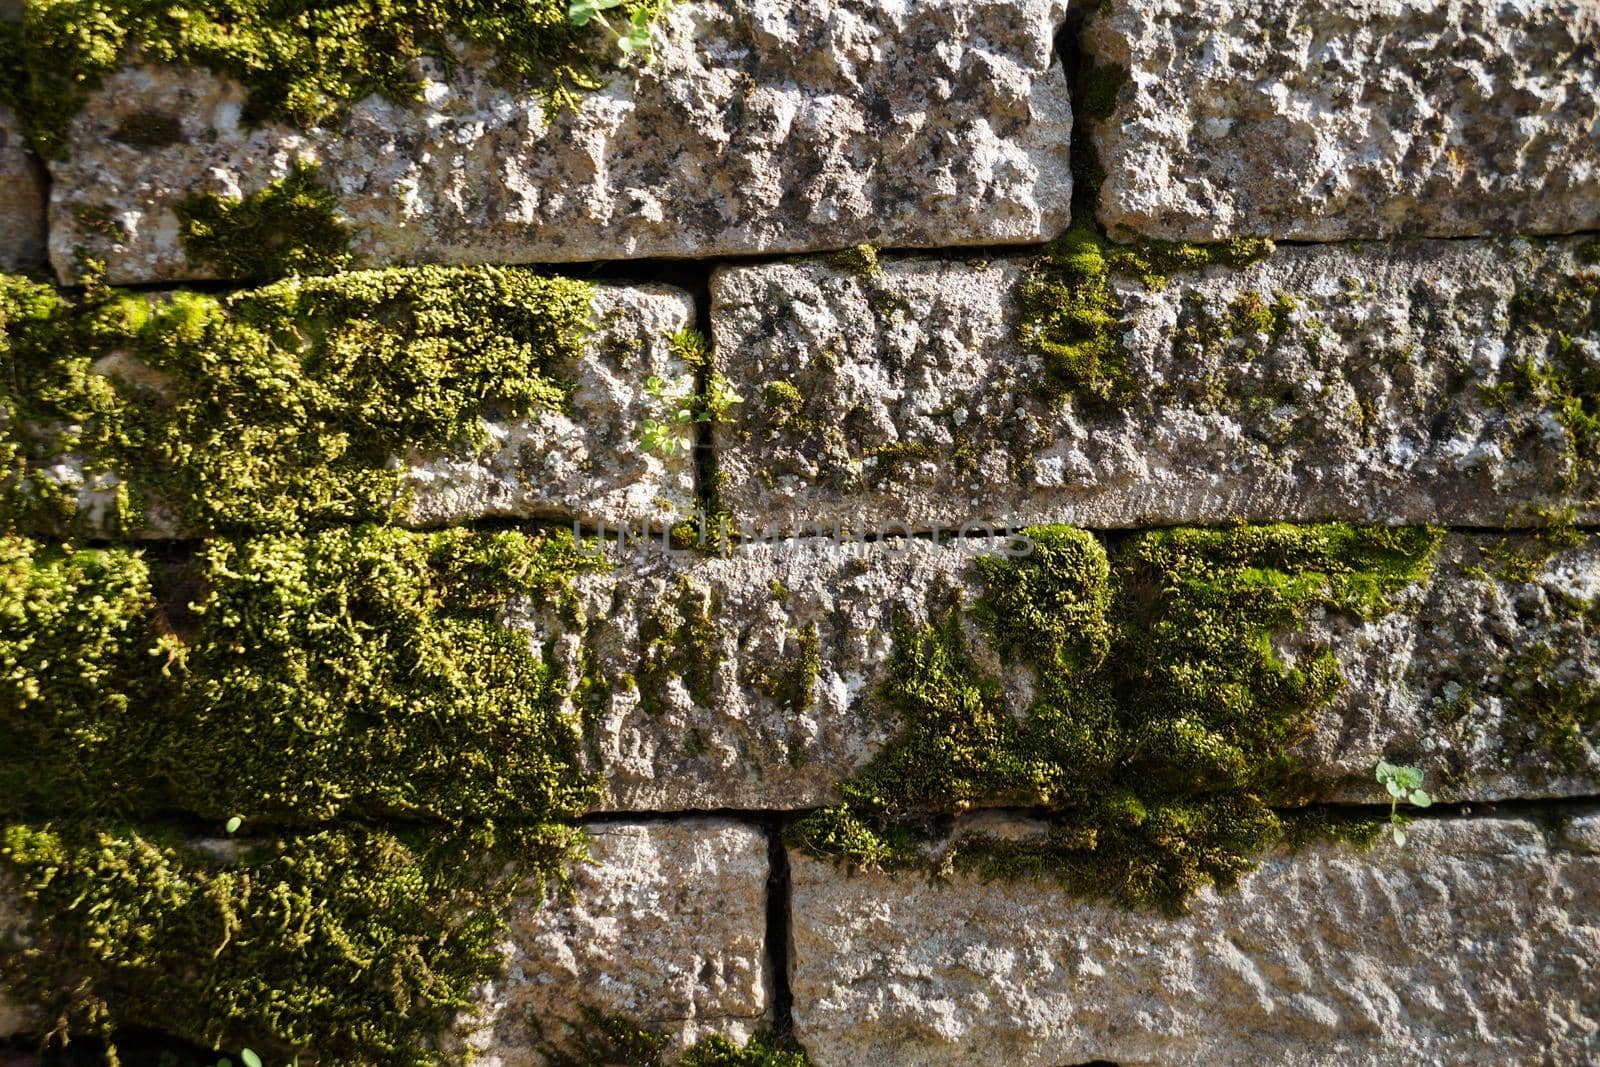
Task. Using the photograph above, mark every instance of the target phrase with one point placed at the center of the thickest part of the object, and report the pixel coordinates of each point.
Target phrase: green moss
(679, 639)
(271, 408)
(355, 946)
(1563, 715)
(290, 226)
(618, 1039)
(862, 260)
(360, 672)
(1096, 88)
(1558, 376)
(301, 64)
(1163, 717)
(148, 129)
(1070, 315)
(793, 685)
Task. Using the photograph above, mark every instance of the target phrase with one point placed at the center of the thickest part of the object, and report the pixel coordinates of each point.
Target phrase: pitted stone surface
(759, 127)
(700, 660)
(1380, 382)
(22, 199)
(1359, 118)
(666, 927)
(1475, 943)
(583, 463)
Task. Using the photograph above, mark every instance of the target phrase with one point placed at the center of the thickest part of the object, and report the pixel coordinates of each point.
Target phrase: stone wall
(825, 532)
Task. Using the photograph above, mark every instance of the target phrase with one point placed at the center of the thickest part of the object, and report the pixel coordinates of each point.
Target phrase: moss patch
(359, 672)
(272, 408)
(353, 946)
(301, 64)
(617, 1039)
(288, 227)
(1070, 315)
(1163, 717)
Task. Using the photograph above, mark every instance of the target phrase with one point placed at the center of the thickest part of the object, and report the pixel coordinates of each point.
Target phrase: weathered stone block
(1414, 382)
(757, 128)
(1324, 121)
(22, 199)
(370, 395)
(1473, 943)
(667, 928)
(758, 680)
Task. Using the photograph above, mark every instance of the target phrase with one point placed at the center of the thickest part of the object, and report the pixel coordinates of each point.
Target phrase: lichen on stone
(1163, 717)
(270, 408)
(304, 65)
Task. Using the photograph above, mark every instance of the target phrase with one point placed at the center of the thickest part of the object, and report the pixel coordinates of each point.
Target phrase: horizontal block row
(1110, 386)
(375, 672)
(661, 926)
(754, 128)
(1314, 121)
(428, 395)
(1329, 955)
(757, 129)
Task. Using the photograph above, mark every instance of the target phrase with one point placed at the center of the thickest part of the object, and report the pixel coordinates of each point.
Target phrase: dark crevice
(779, 932)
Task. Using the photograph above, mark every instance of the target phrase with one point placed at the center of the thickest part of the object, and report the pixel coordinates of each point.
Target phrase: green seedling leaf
(1399, 835)
(233, 824)
(1421, 799)
(582, 12)
(250, 1058)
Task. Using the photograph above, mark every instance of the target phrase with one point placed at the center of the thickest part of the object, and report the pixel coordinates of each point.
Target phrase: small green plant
(1403, 783)
(233, 824)
(633, 39)
(678, 409)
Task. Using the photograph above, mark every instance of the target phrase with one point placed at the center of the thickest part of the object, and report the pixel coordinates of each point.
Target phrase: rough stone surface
(584, 463)
(15, 1019)
(700, 658)
(749, 727)
(22, 199)
(581, 464)
(1476, 943)
(758, 128)
(667, 927)
(1385, 383)
(1359, 118)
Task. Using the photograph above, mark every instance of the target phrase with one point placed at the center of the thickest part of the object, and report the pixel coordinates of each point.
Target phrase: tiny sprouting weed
(632, 39)
(233, 824)
(670, 429)
(1403, 783)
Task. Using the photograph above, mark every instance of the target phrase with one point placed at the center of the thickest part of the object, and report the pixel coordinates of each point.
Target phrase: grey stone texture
(1381, 381)
(758, 128)
(667, 927)
(1475, 943)
(584, 463)
(22, 199)
(1358, 118)
(754, 681)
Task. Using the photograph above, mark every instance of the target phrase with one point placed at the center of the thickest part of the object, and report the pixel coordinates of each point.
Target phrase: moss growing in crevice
(271, 408)
(794, 684)
(1163, 717)
(350, 946)
(359, 672)
(290, 226)
(618, 1039)
(301, 64)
